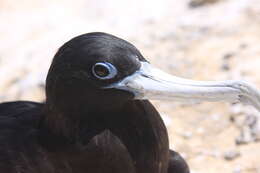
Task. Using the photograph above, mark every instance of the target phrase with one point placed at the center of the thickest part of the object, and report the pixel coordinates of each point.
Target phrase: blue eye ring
(104, 70)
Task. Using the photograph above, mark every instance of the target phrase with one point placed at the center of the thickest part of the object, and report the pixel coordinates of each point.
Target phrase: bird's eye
(104, 70)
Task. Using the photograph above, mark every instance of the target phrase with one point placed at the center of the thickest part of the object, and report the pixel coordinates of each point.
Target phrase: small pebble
(198, 3)
(228, 56)
(245, 136)
(225, 67)
(231, 155)
(243, 46)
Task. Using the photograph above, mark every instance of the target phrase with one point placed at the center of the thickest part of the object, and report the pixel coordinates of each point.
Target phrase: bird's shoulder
(19, 115)
(18, 120)
(18, 123)
(17, 108)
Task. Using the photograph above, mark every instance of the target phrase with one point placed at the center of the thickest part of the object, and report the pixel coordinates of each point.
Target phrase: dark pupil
(101, 71)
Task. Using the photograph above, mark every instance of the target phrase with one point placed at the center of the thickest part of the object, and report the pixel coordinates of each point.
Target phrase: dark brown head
(82, 69)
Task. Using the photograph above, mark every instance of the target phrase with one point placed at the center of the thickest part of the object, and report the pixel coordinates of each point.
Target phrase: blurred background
(197, 39)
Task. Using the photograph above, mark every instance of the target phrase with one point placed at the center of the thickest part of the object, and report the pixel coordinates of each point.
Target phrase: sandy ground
(198, 39)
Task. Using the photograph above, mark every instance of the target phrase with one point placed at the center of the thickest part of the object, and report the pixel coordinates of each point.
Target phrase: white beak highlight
(151, 83)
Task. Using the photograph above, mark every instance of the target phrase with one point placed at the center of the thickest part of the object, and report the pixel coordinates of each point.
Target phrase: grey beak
(151, 83)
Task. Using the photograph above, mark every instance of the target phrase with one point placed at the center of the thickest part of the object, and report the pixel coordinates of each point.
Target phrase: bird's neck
(137, 124)
(140, 127)
(72, 126)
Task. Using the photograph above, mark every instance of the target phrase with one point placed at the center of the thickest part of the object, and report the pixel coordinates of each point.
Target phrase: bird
(97, 117)
(85, 125)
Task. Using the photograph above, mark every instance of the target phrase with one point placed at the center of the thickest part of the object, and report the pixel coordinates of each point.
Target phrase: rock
(225, 67)
(249, 130)
(231, 155)
(198, 3)
(228, 55)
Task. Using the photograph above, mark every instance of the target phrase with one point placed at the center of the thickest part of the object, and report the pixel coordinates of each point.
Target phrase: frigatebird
(97, 117)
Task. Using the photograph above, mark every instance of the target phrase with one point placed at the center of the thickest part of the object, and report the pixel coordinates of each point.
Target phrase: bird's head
(100, 71)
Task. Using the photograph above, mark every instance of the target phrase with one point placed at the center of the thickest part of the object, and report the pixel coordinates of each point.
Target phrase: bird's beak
(151, 83)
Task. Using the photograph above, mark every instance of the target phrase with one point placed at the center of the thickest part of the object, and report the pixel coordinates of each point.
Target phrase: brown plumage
(82, 128)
